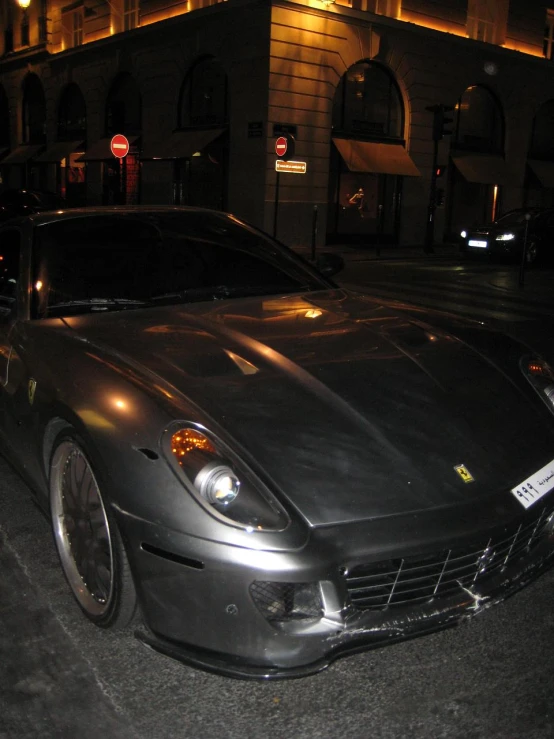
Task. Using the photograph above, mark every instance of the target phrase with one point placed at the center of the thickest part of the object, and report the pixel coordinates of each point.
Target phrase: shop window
(72, 115)
(542, 138)
(204, 95)
(479, 125)
(124, 107)
(547, 48)
(487, 20)
(33, 111)
(368, 103)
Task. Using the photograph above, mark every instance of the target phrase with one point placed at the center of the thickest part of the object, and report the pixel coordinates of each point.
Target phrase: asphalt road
(490, 678)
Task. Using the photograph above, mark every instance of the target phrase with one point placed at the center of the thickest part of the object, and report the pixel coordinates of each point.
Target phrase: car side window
(10, 251)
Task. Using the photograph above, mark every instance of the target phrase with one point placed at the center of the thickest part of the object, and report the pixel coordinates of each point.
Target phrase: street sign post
(119, 146)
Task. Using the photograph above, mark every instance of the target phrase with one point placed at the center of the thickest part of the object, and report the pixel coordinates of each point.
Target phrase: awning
(485, 169)
(101, 150)
(181, 144)
(22, 154)
(369, 156)
(544, 171)
(60, 150)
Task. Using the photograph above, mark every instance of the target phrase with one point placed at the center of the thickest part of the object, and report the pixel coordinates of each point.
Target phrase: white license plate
(476, 242)
(539, 484)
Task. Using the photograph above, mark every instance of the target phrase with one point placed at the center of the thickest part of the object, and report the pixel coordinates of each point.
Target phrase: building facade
(202, 90)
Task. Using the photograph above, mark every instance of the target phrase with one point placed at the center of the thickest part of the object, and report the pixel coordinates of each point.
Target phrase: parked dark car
(20, 202)
(507, 235)
(278, 471)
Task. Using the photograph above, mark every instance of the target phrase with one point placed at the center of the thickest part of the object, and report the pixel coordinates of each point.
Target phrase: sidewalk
(357, 253)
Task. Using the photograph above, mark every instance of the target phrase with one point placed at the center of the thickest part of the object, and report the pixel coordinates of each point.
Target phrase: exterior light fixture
(24, 4)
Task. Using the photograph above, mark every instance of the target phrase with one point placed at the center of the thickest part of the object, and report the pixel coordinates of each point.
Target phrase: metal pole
(524, 252)
(276, 206)
(430, 226)
(314, 231)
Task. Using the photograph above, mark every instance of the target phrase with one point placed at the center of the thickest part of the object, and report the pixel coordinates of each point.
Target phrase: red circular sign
(119, 146)
(281, 146)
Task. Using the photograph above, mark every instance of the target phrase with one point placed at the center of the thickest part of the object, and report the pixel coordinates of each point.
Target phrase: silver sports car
(266, 470)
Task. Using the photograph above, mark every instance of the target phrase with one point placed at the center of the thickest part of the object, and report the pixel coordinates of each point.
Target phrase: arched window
(72, 115)
(479, 124)
(204, 95)
(33, 111)
(542, 138)
(368, 104)
(124, 107)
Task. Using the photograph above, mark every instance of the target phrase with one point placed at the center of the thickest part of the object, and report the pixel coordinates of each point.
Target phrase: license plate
(476, 242)
(539, 484)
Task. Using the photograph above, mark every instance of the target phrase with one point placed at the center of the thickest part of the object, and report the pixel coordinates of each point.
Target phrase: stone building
(202, 90)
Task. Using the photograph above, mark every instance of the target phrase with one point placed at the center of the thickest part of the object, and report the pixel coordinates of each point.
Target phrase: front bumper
(197, 602)
(488, 245)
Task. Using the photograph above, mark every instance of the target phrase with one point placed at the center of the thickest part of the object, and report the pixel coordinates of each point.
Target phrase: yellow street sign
(283, 165)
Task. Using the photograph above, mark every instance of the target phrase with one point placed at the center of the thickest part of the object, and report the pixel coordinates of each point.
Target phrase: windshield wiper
(98, 304)
(220, 292)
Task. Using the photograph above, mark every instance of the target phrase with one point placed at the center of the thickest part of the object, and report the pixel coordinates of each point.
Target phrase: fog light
(287, 601)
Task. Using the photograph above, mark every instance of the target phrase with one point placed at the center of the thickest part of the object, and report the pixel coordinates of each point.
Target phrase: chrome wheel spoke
(82, 529)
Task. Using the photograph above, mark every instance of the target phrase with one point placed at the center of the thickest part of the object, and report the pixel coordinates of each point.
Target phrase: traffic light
(441, 121)
(439, 197)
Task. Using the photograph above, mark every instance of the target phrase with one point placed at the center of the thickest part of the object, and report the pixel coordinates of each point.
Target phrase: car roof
(52, 216)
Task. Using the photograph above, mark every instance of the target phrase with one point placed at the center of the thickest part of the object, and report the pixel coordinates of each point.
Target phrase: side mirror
(329, 263)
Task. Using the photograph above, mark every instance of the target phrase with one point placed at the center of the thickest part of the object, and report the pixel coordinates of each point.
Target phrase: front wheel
(89, 545)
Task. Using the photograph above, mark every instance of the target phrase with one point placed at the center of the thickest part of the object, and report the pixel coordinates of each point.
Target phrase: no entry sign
(281, 146)
(119, 146)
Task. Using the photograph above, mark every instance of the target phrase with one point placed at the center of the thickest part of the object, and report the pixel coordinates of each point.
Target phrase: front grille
(418, 579)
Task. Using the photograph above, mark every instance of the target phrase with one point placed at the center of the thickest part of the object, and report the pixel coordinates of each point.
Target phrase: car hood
(351, 408)
(494, 229)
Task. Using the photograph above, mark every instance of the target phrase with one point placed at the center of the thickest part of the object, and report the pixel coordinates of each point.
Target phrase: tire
(89, 545)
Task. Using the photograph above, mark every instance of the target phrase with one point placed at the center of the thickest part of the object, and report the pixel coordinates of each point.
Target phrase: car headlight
(540, 375)
(463, 234)
(506, 237)
(221, 482)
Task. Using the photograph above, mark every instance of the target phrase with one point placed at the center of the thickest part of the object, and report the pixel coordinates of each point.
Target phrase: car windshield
(109, 262)
(516, 217)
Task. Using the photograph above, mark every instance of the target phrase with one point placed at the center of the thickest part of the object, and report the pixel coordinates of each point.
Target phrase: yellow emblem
(464, 473)
(32, 386)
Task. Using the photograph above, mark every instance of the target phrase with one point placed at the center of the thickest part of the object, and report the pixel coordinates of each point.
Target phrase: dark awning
(485, 169)
(544, 171)
(181, 144)
(369, 156)
(22, 154)
(101, 150)
(60, 150)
